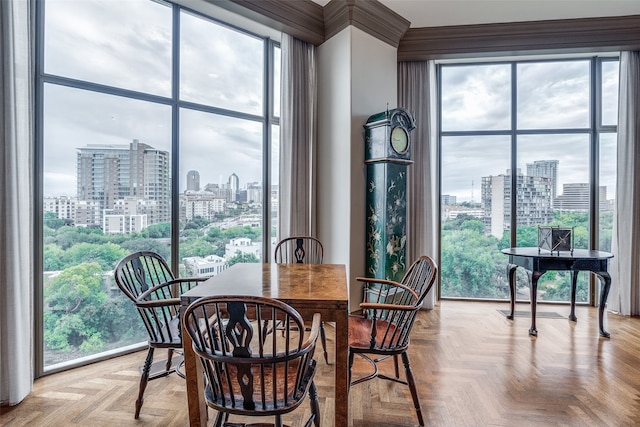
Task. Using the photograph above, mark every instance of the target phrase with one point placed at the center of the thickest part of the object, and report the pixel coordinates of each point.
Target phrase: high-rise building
(545, 169)
(575, 197)
(533, 201)
(109, 173)
(234, 186)
(193, 181)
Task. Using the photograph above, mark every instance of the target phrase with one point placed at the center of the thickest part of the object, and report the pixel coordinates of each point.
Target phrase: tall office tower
(545, 169)
(108, 173)
(193, 181)
(533, 201)
(234, 187)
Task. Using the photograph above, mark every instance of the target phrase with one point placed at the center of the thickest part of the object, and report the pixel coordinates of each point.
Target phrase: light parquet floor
(473, 367)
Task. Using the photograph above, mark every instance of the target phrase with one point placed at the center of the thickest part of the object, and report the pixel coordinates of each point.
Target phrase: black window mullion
(266, 150)
(175, 142)
(594, 170)
(514, 154)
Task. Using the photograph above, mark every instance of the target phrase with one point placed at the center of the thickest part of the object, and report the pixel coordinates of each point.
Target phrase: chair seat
(168, 337)
(266, 372)
(360, 334)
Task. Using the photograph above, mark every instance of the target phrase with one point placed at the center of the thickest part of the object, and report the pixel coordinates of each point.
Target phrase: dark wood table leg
(511, 277)
(194, 383)
(342, 369)
(605, 281)
(534, 300)
(574, 284)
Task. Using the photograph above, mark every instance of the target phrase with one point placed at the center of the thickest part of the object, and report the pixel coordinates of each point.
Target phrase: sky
(95, 41)
(551, 95)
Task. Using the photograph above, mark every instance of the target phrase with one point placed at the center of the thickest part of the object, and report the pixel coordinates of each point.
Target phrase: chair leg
(220, 419)
(395, 363)
(278, 421)
(169, 357)
(323, 338)
(313, 402)
(351, 355)
(144, 379)
(412, 387)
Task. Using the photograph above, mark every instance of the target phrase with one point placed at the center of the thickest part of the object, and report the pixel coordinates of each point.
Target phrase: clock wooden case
(387, 155)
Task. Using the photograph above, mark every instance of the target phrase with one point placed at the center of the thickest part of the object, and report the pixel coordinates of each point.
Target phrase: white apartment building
(533, 201)
(244, 245)
(209, 266)
(201, 204)
(64, 207)
(123, 224)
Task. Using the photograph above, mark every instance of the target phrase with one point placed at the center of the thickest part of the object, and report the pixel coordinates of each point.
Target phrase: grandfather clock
(387, 156)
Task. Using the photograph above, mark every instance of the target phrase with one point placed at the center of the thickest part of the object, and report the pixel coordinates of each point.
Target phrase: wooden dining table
(309, 288)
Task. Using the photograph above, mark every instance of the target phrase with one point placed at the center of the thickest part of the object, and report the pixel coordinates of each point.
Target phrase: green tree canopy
(242, 257)
(106, 255)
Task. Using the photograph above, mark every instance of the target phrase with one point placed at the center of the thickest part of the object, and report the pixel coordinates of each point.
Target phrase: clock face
(399, 140)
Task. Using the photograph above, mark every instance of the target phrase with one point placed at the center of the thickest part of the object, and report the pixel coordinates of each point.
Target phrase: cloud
(127, 44)
(551, 95)
(476, 97)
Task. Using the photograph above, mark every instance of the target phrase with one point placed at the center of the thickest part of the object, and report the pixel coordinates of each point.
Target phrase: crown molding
(372, 17)
(302, 19)
(533, 37)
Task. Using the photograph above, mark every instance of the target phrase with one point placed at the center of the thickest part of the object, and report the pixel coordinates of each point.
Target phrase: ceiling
(435, 13)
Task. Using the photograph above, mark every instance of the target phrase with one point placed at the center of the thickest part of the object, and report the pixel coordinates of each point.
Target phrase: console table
(536, 262)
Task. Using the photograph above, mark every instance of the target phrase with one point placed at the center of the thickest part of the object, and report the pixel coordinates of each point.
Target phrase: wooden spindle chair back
(146, 279)
(247, 372)
(389, 310)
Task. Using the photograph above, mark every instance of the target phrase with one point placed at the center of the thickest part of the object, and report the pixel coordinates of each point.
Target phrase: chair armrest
(388, 288)
(168, 302)
(315, 330)
(379, 306)
(190, 283)
(375, 280)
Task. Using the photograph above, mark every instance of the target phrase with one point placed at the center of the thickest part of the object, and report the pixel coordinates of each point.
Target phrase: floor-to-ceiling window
(158, 127)
(547, 127)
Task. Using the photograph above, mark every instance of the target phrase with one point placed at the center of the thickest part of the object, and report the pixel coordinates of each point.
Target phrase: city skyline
(215, 145)
(477, 96)
(552, 99)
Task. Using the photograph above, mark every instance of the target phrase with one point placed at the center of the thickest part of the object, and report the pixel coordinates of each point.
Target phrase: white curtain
(417, 94)
(16, 243)
(297, 139)
(625, 266)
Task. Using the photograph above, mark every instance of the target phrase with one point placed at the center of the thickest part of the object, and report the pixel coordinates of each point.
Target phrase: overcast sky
(127, 44)
(550, 95)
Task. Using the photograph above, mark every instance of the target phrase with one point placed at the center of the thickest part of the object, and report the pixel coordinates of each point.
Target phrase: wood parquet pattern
(473, 367)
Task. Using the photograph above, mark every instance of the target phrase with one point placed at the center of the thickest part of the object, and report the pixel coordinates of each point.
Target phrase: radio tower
(472, 201)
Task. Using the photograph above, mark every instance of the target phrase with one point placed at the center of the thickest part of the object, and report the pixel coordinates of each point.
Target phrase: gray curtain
(625, 266)
(417, 94)
(16, 250)
(297, 139)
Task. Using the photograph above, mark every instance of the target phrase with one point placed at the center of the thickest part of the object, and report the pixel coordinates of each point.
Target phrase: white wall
(357, 77)
(334, 118)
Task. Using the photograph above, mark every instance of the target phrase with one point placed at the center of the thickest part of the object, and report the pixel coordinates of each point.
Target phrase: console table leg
(533, 331)
(605, 281)
(574, 284)
(511, 277)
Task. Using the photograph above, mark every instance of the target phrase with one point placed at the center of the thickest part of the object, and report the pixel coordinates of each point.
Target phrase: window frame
(267, 119)
(594, 130)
